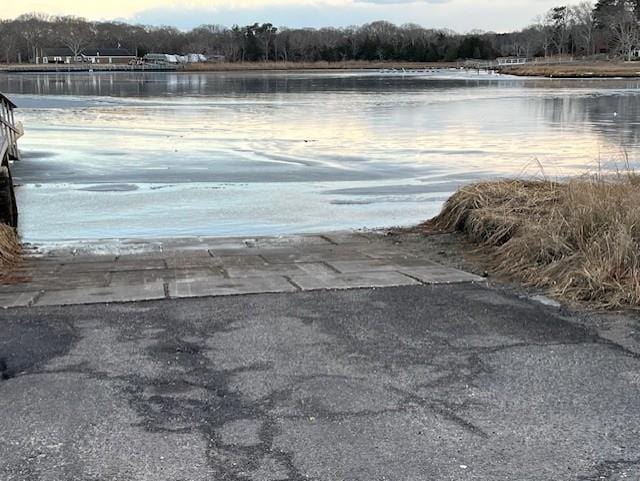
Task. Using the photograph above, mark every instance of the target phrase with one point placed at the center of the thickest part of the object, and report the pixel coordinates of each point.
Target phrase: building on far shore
(197, 58)
(506, 61)
(172, 59)
(161, 58)
(64, 55)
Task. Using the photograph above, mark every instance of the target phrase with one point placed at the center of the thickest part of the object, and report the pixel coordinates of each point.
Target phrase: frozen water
(179, 154)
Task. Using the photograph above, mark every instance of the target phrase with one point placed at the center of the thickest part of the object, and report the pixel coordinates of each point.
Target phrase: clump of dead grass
(10, 249)
(580, 238)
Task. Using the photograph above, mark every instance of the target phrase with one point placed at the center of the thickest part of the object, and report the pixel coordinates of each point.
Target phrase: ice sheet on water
(224, 154)
(54, 212)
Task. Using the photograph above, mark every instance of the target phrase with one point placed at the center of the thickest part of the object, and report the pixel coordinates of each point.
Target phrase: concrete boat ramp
(137, 270)
(418, 382)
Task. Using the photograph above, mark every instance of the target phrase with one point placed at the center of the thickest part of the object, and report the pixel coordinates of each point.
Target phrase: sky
(459, 15)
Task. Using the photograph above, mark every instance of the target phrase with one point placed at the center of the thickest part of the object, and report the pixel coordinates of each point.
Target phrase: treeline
(609, 26)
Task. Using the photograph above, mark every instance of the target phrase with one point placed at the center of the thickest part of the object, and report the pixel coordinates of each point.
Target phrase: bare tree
(625, 32)
(75, 33)
(266, 32)
(558, 20)
(584, 25)
(34, 28)
(8, 40)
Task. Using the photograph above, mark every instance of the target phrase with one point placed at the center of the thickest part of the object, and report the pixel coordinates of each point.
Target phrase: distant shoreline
(567, 70)
(287, 66)
(80, 67)
(229, 67)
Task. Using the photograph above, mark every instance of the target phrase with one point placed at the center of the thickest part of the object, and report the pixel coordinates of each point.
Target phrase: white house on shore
(64, 55)
(506, 61)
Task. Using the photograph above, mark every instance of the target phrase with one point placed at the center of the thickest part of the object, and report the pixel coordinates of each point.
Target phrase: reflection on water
(220, 154)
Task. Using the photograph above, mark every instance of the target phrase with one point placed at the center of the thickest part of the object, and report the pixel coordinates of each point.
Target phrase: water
(175, 154)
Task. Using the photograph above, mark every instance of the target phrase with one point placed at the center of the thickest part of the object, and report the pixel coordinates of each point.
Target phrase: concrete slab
(70, 259)
(76, 280)
(165, 275)
(385, 252)
(346, 237)
(81, 267)
(230, 244)
(98, 295)
(195, 267)
(138, 264)
(45, 281)
(407, 260)
(371, 265)
(352, 281)
(250, 261)
(315, 268)
(183, 244)
(147, 256)
(31, 266)
(290, 241)
(17, 299)
(226, 287)
(316, 255)
(190, 259)
(440, 275)
(213, 242)
(239, 251)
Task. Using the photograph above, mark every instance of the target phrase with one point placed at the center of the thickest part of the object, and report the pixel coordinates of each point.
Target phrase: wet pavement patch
(5, 373)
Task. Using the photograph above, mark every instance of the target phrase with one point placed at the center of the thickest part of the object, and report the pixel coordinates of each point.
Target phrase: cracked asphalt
(456, 382)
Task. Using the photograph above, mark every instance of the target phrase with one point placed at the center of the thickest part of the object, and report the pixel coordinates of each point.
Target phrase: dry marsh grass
(580, 238)
(10, 249)
(577, 69)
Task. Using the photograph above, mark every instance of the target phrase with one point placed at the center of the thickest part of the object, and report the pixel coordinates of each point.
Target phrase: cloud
(459, 15)
(396, 2)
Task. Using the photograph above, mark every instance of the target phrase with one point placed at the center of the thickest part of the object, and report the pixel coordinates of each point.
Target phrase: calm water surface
(175, 154)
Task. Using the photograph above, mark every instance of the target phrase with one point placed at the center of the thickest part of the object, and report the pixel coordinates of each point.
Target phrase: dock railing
(10, 132)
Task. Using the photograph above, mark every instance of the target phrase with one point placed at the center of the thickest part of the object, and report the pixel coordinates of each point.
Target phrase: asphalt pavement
(443, 382)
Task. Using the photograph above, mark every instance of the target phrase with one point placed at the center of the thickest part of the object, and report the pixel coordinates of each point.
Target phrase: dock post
(8, 205)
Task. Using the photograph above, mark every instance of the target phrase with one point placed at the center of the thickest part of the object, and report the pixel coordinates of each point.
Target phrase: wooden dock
(10, 132)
